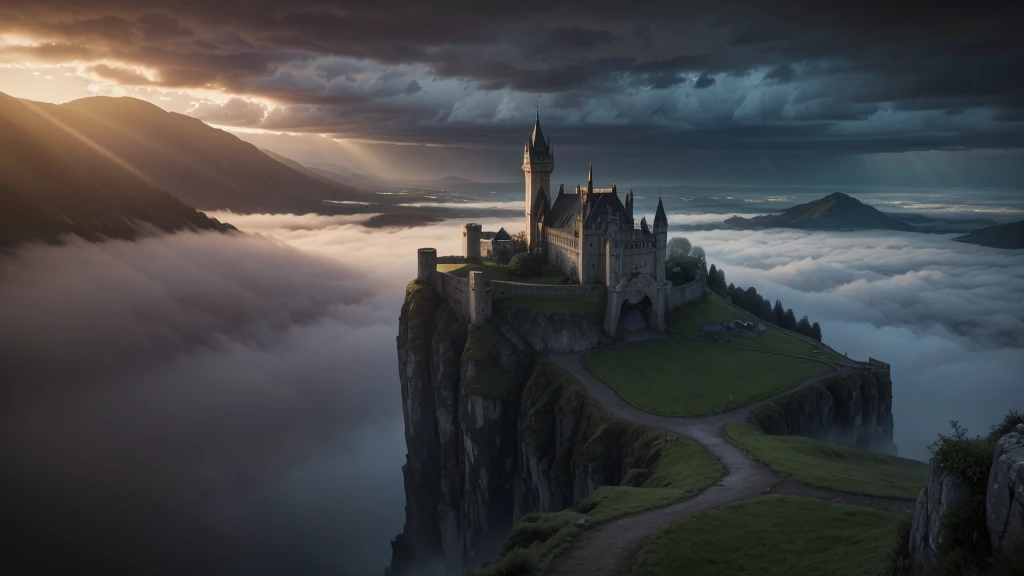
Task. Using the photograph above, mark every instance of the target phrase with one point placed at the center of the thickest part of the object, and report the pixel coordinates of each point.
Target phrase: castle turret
(471, 240)
(426, 264)
(629, 209)
(661, 237)
(538, 164)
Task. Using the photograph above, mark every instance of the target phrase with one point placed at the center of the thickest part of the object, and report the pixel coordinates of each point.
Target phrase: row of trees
(760, 306)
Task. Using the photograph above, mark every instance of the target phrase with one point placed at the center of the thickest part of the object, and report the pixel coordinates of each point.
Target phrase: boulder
(1004, 496)
(943, 492)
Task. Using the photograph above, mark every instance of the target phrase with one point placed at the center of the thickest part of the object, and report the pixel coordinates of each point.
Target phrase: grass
(773, 536)
(546, 275)
(688, 318)
(831, 466)
(552, 305)
(660, 377)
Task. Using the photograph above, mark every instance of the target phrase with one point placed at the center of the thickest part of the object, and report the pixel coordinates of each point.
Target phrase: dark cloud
(705, 80)
(412, 88)
(851, 62)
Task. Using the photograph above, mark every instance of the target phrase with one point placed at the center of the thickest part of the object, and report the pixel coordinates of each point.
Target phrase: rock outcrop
(1004, 495)
(852, 409)
(943, 493)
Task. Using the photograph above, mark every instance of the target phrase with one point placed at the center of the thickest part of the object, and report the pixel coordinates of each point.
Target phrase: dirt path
(607, 547)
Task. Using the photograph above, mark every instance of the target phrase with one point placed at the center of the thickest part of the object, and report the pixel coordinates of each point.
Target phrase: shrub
(518, 562)
(522, 265)
(899, 561)
(1008, 423)
(966, 457)
(964, 533)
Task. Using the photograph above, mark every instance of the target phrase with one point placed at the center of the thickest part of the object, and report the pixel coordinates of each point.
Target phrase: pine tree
(780, 314)
(816, 331)
(790, 320)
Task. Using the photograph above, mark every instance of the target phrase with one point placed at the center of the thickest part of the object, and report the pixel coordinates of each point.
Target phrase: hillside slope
(836, 211)
(1010, 236)
(207, 168)
(54, 182)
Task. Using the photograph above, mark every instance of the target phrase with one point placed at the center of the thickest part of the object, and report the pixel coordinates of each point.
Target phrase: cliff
(495, 434)
(852, 409)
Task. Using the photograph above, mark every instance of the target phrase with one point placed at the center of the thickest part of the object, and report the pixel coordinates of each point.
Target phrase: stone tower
(538, 164)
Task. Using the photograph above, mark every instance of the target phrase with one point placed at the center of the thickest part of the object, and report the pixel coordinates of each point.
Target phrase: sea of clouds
(247, 381)
(948, 316)
(250, 380)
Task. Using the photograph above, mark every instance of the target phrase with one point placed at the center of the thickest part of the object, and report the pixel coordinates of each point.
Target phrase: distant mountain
(205, 167)
(55, 181)
(836, 211)
(340, 173)
(1009, 236)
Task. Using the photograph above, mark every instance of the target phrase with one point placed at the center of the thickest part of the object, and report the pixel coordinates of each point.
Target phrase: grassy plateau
(688, 318)
(831, 466)
(773, 536)
(661, 376)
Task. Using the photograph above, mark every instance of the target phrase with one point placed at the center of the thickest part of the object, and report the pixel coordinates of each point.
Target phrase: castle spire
(590, 176)
(660, 219)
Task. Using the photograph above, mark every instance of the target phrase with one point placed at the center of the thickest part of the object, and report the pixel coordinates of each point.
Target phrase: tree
(816, 331)
(521, 265)
(790, 320)
(698, 252)
(780, 314)
(712, 276)
(804, 326)
(519, 242)
(678, 247)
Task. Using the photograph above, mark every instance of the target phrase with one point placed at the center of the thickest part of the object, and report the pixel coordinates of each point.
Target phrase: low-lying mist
(948, 317)
(200, 398)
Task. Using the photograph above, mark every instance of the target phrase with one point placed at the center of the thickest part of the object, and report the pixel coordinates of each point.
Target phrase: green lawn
(832, 466)
(688, 318)
(546, 275)
(772, 536)
(660, 376)
(551, 305)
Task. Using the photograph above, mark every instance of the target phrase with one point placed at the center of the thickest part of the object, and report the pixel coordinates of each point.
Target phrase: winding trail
(606, 548)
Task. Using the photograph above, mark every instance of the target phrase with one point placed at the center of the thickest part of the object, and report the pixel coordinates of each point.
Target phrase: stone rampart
(590, 292)
(454, 290)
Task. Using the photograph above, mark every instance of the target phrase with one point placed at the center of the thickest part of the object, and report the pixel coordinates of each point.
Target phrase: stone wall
(679, 295)
(454, 290)
(591, 292)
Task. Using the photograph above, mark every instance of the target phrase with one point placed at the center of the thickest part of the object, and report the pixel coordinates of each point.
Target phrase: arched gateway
(638, 288)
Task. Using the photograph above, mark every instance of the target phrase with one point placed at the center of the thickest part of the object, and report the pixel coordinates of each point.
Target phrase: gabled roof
(564, 210)
(502, 235)
(599, 206)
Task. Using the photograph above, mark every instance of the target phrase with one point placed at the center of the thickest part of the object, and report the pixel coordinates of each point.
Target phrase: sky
(864, 92)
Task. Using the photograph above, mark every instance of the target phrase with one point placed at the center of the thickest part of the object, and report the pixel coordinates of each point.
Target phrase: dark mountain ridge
(203, 166)
(55, 181)
(836, 211)
(1009, 236)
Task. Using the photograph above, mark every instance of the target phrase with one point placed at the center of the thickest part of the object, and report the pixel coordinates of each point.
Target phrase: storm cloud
(948, 317)
(866, 76)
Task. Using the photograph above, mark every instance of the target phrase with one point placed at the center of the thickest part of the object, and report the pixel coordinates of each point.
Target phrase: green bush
(965, 533)
(516, 563)
(522, 265)
(1008, 423)
(966, 457)
(899, 561)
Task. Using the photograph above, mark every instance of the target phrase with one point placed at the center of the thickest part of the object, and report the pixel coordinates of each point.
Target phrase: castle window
(591, 244)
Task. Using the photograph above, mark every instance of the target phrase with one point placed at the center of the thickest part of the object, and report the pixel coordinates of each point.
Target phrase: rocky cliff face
(853, 409)
(1004, 496)
(555, 332)
(944, 493)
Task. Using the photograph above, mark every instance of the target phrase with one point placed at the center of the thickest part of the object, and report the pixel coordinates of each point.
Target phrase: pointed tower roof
(660, 219)
(537, 141)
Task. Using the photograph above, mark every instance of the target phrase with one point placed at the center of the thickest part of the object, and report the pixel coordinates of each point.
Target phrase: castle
(591, 235)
